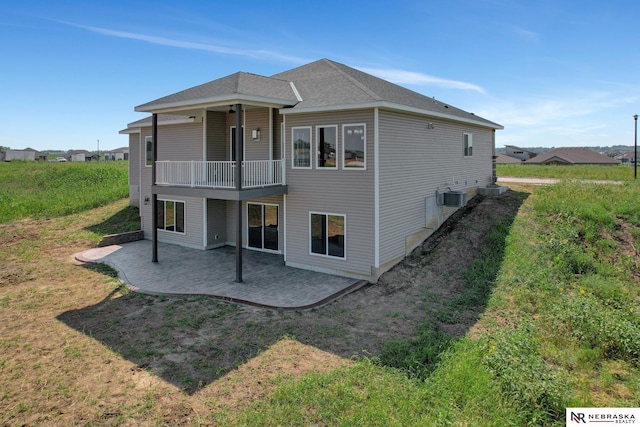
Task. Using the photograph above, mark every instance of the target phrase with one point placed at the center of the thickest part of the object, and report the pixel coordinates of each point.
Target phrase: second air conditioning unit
(455, 198)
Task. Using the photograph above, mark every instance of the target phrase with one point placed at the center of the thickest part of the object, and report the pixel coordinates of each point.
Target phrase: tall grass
(561, 330)
(41, 190)
(595, 172)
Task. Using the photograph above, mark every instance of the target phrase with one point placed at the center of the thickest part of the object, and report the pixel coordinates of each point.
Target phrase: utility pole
(635, 148)
(98, 150)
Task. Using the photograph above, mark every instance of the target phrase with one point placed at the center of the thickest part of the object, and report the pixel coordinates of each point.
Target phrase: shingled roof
(236, 87)
(504, 159)
(572, 156)
(323, 85)
(328, 85)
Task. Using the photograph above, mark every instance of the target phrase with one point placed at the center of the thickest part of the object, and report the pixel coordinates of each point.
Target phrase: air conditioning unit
(455, 198)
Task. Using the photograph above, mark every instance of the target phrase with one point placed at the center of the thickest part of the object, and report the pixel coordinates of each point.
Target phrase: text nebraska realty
(580, 417)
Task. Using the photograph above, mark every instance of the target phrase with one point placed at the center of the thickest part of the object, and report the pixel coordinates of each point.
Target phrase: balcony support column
(238, 177)
(154, 196)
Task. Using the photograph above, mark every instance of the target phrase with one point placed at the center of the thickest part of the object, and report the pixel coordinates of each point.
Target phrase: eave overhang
(391, 106)
(136, 126)
(213, 102)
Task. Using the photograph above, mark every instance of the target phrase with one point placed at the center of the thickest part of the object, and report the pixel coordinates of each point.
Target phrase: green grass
(612, 173)
(44, 190)
(561, 330)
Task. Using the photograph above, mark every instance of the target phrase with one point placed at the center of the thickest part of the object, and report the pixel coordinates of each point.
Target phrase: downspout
(154, 197)
(494, 174)
(376, 189)
(238, 178)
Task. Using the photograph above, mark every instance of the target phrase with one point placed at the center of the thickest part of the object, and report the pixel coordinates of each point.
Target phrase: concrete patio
(267, 282)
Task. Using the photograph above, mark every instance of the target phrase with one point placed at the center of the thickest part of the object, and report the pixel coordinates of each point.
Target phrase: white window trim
(148, 138)
(165, 216)
(318, 167)
(271, 251)
(344, 167)
(470, 139)
(344, 258)
(293, 166)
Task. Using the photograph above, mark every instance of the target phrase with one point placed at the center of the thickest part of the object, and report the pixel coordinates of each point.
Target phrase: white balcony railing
(257, 173)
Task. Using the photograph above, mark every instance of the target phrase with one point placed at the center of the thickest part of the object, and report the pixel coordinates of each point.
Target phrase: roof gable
(237, 86)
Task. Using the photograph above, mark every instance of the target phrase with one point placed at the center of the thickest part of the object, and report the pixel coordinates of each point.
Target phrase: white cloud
(525, 34)
(413, 78)
(163, 41)
(536, 110)
(571, 119)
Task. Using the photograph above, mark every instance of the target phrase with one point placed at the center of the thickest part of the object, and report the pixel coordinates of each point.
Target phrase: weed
(514, 358)
(418, 356)
(615, 333)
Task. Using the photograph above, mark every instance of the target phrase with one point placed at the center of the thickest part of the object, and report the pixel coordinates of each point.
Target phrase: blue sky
(553, 73)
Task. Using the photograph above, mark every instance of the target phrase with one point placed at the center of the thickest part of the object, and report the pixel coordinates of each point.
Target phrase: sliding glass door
(262, 221)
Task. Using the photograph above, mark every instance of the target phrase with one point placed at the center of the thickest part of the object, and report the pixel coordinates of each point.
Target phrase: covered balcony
(219, 174)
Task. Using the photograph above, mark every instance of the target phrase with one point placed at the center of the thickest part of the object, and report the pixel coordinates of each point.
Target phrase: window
(171, 216)
(353, 141)
(468, 144)
(327, 140)
(301, 146)
(148, 142)
(327, 235)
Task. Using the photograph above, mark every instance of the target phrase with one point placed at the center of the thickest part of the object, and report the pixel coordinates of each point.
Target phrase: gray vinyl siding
(180, 142)
(217, 141)
(255, 118)
(343, 192)
(415, 162)
(216, 222)
(134, 169)
(231, 221)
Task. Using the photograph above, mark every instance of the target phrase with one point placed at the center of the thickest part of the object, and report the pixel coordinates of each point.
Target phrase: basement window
(327, 234)
(171, 216)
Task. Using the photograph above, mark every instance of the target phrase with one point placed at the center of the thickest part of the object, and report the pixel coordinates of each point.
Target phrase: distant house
(121, 153)
(26, 154)
(572, 156)
(341, 172)
(519, 153)
(81, 156)
(626, 158)
(502, 159)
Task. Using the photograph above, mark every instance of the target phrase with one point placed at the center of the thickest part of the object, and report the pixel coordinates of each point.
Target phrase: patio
(267, 282)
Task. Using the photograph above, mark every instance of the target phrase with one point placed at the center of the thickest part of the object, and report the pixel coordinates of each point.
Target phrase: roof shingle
(573, 155)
